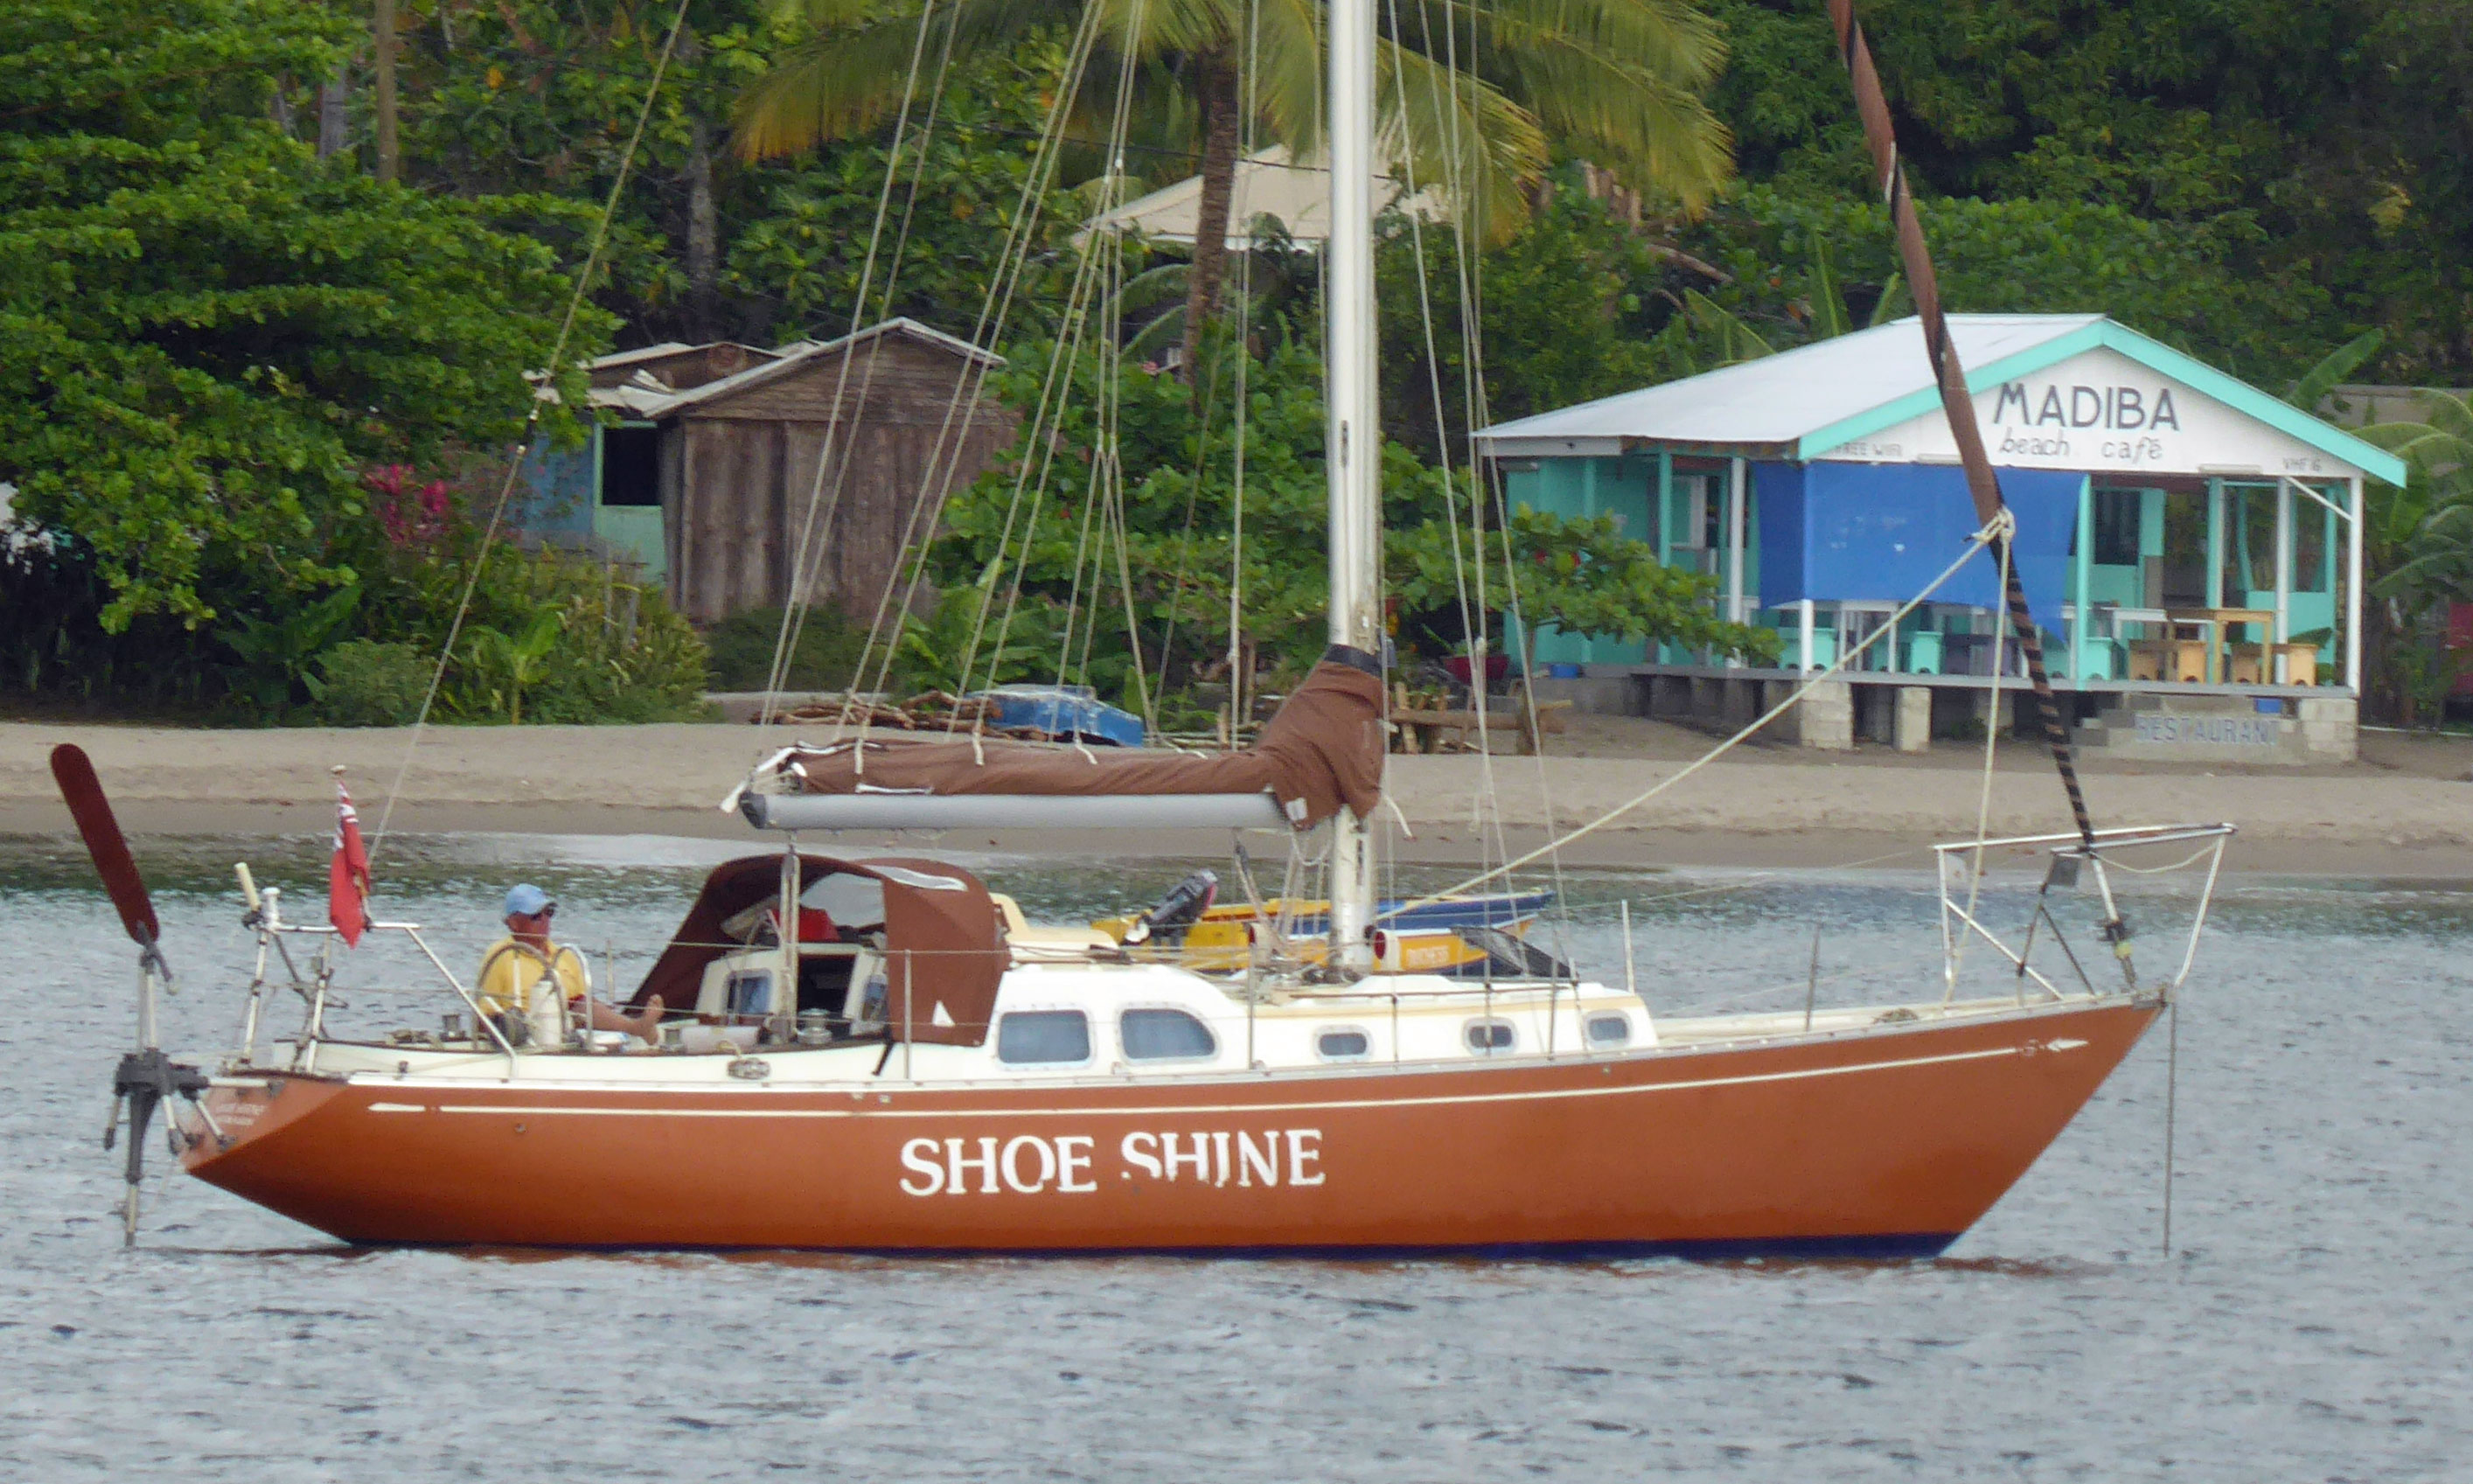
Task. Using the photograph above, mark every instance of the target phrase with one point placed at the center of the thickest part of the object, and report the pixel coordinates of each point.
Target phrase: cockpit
(872, 950)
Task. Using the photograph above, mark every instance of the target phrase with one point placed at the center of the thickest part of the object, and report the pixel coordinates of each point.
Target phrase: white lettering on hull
(1033, 1164)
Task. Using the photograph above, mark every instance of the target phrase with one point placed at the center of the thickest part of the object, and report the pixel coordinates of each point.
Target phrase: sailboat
(932, 1072)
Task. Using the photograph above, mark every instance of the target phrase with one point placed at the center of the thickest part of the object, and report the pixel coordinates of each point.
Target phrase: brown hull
(1895, 1140)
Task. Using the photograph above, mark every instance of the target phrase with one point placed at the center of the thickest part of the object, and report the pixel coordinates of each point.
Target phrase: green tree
(2417, 544)
(204, 335)
(1619, 80)
(2321, 150)
(1176, 523)
(1579, 576)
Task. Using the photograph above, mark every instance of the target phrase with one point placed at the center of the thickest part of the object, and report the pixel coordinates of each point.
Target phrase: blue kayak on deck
(1066, 713)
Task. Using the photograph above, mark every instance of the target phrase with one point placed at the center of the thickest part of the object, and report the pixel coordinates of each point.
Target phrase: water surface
(2310, 1324)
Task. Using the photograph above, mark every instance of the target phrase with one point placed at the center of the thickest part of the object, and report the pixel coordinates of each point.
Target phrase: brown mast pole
(1954, 399)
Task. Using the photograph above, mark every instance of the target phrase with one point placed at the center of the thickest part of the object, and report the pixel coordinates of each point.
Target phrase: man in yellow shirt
(526, 977)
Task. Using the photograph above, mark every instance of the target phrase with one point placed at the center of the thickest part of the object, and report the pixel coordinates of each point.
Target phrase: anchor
(145, 1077)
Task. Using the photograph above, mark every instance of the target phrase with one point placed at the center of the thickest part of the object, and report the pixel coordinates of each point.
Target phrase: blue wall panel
(1881, 533)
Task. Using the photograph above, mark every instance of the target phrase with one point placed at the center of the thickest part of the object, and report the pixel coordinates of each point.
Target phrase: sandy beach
(2405, 811)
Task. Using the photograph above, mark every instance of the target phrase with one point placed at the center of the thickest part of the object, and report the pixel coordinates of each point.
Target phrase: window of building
(1342, 1045)
(631, 465)
(1488, 1038)
(1608, 1031)
(1033, 1037)
(1164, 1035)
(2116, 527)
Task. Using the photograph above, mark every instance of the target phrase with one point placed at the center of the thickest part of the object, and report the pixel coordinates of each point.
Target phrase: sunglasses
(542, 916)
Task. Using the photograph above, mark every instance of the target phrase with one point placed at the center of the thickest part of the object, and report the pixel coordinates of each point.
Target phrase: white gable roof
(1268, 183)
(1869, 395)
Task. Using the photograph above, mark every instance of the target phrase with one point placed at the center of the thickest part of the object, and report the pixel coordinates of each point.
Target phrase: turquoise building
(2177, 528)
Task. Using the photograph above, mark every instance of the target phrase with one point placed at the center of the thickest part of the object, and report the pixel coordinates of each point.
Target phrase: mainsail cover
(1321, 753)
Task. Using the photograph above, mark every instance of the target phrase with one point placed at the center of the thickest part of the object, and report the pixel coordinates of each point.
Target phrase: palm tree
(2417, 543)
(1470, 90)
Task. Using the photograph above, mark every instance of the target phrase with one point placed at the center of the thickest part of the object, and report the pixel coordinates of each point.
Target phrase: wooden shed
(727, 439)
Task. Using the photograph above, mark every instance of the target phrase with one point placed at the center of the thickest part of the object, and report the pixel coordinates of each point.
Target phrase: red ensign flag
(347, 875)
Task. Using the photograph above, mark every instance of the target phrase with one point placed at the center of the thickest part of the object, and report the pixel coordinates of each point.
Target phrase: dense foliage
(218, 355)
(204, 335)
(1083, 541)
(2318, 149)
(212, 340)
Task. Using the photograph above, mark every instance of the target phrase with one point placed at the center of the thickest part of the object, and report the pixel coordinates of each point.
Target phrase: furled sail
(1323, 751)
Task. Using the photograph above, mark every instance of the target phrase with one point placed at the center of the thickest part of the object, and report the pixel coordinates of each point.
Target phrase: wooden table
(2216, 620)
(1420, 731)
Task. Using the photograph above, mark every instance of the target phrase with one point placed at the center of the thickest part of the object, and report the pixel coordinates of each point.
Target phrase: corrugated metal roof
(1801, 404)
(1775, 402)
(652, 404)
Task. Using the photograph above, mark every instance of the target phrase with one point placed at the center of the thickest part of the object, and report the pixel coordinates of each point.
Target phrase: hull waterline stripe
(1451, 1100)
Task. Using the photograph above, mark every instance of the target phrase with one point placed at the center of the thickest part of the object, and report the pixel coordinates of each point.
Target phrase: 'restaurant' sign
(2103, 412)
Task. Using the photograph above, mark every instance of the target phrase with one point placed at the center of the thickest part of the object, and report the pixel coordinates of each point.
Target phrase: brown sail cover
(943, 943)
(1323, 750)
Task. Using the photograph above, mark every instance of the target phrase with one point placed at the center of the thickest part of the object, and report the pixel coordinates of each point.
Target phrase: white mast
(1352, 443)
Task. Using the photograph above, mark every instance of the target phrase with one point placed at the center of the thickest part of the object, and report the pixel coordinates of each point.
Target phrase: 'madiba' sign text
(2117, 409)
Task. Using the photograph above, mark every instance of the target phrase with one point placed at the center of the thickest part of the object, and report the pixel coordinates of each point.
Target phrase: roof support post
(2215, 557)
(1738, 471)
(2353, 589)
(2082, 579)
(2283, 572)
(1664, 507)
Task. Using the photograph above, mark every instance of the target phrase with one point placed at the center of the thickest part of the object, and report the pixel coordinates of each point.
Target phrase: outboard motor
(1180, 909)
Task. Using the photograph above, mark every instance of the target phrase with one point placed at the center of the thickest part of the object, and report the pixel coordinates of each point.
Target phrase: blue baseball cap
(527, 901)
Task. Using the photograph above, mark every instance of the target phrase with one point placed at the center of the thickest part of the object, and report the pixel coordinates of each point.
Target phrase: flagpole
(347, 873)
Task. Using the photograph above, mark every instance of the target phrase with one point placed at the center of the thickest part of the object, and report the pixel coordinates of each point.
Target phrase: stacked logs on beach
(931, 710)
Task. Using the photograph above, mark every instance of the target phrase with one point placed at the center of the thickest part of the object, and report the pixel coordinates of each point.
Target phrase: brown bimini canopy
(1321, 753)
(943, 941)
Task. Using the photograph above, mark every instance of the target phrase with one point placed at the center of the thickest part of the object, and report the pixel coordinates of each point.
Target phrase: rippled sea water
(2312, 1322)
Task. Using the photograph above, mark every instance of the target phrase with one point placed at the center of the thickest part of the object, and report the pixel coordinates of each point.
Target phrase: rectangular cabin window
(1610, 1030)
(1030, 1037)
(1342, 1045)
(750, 992)
(1489, 1038)
(1164, 1035)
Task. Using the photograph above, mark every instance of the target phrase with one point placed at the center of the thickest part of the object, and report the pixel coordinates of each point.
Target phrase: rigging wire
(1974, 544)
(804, 568)
(2008, 523)
(1054, 388)
(532, 423)
(994, 308)
(1241, 411)
(944, 460)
